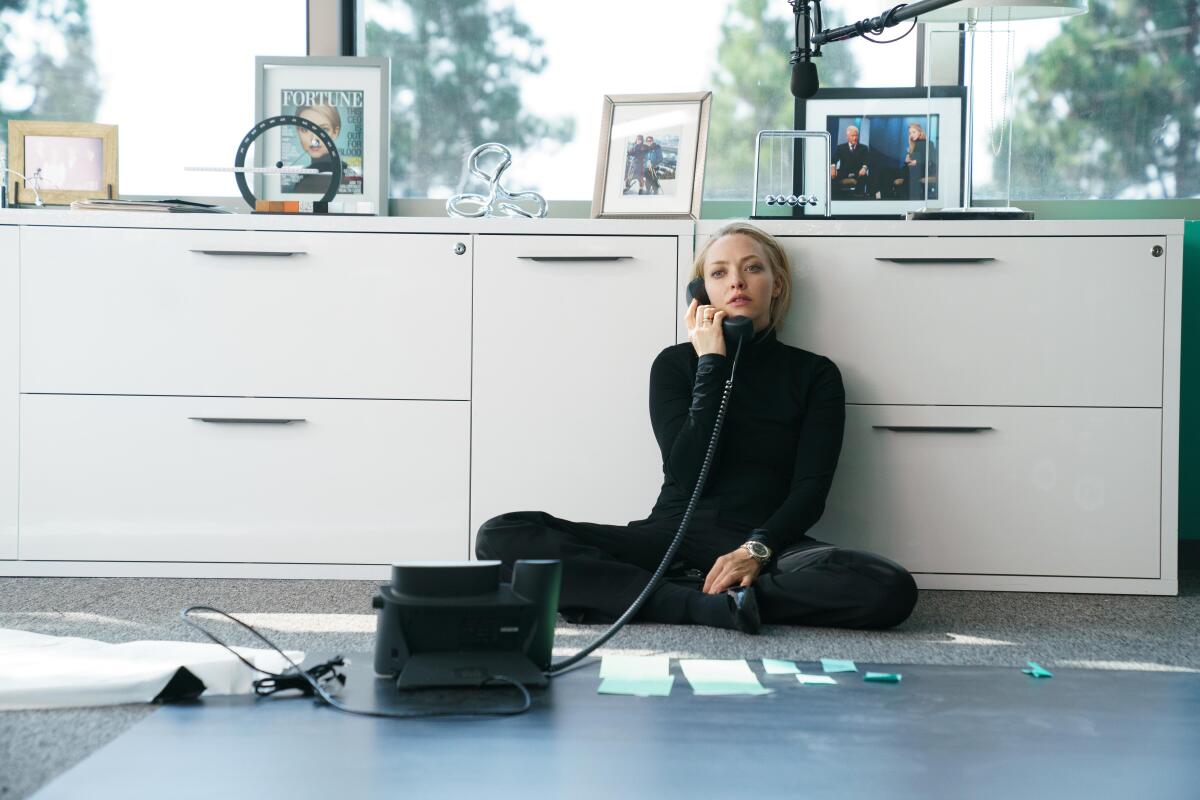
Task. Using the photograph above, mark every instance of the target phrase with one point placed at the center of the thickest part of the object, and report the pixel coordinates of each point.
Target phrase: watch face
(757, 549)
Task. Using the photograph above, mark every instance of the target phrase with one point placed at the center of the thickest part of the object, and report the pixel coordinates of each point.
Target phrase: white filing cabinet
(243, 397)
(10, 260)
(274, 397)
(1012, 400)
(306, 397)
(566, 328)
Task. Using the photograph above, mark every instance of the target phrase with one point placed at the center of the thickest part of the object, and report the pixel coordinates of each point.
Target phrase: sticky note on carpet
(638, 687)
(1037, 670)
(882, 677)
(777, 666)
(815, 680)
(837, 665)
(710, 676)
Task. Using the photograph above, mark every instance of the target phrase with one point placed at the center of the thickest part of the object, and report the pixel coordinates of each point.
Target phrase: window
(1106, 104)
(176, 79)
(532, 75)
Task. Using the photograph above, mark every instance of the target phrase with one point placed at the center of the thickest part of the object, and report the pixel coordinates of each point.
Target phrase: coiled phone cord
(565, 665)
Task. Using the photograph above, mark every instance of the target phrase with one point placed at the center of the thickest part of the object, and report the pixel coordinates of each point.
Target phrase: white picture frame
(887, 113)
(670, 181)
(352, 96)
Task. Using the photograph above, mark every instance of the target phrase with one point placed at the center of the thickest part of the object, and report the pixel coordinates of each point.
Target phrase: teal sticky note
(639, 687)
(815, 680)
(636, 667)
(1037, 670)
(837, 665)
(883, 677)
(778, 666)
(727, 687)
(716, 676)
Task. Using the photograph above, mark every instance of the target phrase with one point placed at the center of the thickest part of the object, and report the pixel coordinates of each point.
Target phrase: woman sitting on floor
(745, 558)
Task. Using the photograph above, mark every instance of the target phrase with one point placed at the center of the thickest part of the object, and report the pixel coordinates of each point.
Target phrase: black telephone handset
(735, 328)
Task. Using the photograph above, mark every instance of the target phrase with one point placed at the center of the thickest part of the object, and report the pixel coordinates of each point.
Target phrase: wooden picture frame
(671, 183)
(65, 161)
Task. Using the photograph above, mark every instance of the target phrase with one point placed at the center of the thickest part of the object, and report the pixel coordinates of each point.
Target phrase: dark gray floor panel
(943, 732)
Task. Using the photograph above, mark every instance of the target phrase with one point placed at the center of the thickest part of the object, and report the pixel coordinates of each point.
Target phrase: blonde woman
(745, 559)
(920, 151)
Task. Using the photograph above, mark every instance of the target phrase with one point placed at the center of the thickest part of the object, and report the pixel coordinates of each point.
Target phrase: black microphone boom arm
(887, 19)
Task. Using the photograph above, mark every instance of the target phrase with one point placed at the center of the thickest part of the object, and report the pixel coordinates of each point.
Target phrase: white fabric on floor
(39, 671)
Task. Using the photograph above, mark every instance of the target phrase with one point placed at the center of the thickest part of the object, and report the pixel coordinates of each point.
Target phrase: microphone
(804, 78)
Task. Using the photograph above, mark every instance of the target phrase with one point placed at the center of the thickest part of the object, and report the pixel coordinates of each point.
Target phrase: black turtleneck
(779, 442)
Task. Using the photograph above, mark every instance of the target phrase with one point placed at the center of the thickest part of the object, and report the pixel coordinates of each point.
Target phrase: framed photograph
(893, 150)
(350, 98)
(64, 161)
(652, 149)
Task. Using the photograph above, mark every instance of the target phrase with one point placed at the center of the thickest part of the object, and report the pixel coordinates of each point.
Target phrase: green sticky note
(777, 666)
(882, 677)
(635, 667)
(837, 665)
(815, 680)
(640, 687)
(716, 676)
(727, 687)
(1038, 671)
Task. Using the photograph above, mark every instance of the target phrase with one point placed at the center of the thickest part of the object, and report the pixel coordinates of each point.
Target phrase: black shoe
(745, 609)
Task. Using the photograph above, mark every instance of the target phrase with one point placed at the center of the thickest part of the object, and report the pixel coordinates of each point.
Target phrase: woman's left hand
(738, 568)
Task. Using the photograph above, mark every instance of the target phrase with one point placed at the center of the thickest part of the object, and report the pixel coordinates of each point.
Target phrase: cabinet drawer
(563, 350)
(182, 312)
(144, 479)
(1036, 491)
(9, 336)
(1070, 321)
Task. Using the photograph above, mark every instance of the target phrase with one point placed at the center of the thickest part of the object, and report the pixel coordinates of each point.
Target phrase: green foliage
(65, 88)
(751, 89)
(455, 85)
(1109, 108)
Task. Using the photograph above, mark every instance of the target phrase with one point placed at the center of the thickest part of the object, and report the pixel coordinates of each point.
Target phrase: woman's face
(914, 133)
(738, 279)
(311, 143)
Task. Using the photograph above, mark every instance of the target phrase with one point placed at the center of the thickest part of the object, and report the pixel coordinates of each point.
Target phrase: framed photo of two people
(893, 150)
(652, 151)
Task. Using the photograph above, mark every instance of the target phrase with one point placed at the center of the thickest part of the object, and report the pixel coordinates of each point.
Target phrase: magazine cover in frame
(892, 150)
(349, 99)
(340, 114)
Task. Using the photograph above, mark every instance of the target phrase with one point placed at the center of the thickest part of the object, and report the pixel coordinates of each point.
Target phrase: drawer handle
(933, 428)
(573, 258)
(250, 420)
(937, 260)
(267, 253)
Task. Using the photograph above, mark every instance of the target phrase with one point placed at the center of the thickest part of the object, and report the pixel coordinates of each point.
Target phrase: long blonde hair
(912, 143)
(777, 263)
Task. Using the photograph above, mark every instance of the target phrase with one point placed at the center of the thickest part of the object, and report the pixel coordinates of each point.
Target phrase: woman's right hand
(704, 329)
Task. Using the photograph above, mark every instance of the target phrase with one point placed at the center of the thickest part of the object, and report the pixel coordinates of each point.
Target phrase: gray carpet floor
(969, 628)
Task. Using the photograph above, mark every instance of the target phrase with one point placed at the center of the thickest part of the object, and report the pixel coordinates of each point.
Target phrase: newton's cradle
(775, 157)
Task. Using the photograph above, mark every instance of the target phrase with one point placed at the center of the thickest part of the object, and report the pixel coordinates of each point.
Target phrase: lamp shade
(1004, 10)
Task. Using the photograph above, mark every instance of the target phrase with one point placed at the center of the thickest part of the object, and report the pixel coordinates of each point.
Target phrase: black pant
(605, 568)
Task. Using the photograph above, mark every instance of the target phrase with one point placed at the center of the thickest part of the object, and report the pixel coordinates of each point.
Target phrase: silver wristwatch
(761, 553)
